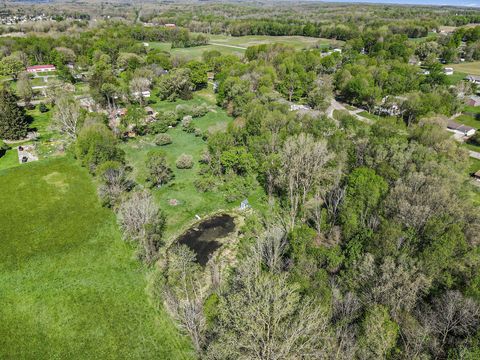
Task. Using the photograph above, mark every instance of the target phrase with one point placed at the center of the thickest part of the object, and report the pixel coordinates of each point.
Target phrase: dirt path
(336, 105)
(230, 46)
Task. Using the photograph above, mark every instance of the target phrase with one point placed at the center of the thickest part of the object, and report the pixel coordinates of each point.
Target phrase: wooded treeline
(366, 243)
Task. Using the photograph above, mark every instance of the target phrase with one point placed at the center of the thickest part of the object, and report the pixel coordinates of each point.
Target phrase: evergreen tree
(13, 124)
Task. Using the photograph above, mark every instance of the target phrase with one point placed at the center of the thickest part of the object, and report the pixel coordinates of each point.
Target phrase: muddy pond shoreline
(203, 237)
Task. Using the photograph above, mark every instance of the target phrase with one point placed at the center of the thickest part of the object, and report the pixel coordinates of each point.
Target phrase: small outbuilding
(244, 205)
(461, 129)
(473, 100)
(448, 71)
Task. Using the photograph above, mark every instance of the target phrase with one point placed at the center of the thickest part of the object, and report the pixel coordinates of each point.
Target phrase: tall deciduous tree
(11, 66)
(24, 87)
(143, 222)
(159, 173)
(66, 115)
(263, 316)
(176, 84)
(183, 291)
(303, 160)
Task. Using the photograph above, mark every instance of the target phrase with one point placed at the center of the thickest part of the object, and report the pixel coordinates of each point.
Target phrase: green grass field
(195, 53)
(70, 287)
(472, 68)
(9, 159)
(468, 120)
(456, 77)
(299, 42)
(238, 45)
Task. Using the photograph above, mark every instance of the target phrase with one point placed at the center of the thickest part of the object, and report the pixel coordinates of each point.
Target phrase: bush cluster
(184, 161)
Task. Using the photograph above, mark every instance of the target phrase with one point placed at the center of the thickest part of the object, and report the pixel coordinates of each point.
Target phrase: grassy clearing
(195, 53)
(367, 115)
(70, 287)
(9, 159)
(299, 42)
(472, 68)
(456, 77)
(238, 45)
(468, 120)
(191, 202)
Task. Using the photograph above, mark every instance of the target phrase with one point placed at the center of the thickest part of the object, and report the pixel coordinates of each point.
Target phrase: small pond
(202, 238)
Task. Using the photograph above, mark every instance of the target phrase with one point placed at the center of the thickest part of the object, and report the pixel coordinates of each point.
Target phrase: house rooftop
(459, 127)
(39, 67)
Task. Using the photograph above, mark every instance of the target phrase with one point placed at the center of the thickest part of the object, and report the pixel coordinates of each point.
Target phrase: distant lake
(470, 3)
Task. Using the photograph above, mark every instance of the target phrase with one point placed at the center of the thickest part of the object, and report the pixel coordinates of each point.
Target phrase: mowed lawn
(471, 68)
(196, 52)
(181, 188)
(238, 45)
(70, 287)
(299, 42)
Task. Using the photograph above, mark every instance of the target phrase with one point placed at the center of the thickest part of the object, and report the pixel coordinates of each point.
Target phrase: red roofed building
(40, 68)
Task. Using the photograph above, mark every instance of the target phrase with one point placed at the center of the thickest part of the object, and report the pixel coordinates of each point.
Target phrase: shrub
(158, 127)
(182, 110)
(108, 166)
(96, 145)
(205, 183)
(168, 117)
(186, 120)
(187, 124)
(43, 108)
(193, 111)
(114, 182)
(158, 171)
(163, 139)
(237, 188)
(199, 111)
(184, 161)
(198, 132)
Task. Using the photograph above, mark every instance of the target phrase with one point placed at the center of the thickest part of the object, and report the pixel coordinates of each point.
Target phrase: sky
(473, 3)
